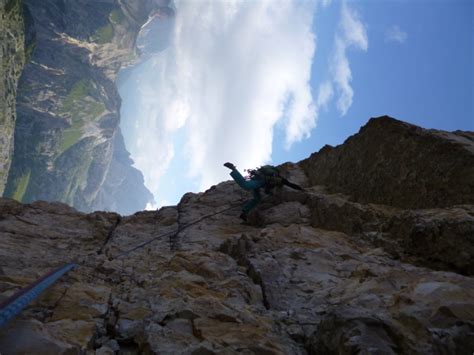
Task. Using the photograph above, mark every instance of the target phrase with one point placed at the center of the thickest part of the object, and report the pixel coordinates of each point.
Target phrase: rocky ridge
(397, 158)
(314, 271)
(67, 129)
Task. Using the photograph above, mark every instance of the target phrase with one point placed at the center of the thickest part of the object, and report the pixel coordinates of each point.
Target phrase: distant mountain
(12, 59)
(68, 146)
(155, 35)
(123, 190)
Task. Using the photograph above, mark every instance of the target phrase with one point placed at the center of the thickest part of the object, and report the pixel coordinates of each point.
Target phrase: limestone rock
(395, 163)
(314, 272)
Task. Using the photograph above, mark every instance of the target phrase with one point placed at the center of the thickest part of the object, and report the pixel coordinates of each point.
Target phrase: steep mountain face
(314, 272)
(68, 106)
(12, 59)
(396, 163)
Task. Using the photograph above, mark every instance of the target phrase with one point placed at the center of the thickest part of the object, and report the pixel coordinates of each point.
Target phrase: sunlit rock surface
(67, 134)
(313, 272)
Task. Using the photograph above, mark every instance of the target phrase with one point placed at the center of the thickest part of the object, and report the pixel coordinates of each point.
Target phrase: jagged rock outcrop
(313, 272)
(393, 162)
(12, 59)
(68, 105)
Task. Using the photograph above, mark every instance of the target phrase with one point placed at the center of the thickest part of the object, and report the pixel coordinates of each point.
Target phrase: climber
(266, 177)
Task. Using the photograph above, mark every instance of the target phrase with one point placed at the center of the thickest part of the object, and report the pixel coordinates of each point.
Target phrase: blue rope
(17, 304)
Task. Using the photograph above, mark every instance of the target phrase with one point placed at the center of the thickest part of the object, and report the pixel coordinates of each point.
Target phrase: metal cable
(174, 233)
(13, 306)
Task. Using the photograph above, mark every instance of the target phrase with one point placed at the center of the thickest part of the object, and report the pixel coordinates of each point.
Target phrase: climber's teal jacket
(253, 185)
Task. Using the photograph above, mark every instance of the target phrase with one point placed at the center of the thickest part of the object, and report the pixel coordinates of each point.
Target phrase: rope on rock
(174, 233)
(13, 306)
(16, 303)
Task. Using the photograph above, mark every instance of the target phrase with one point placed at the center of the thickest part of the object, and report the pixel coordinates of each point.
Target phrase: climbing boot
(230, 166)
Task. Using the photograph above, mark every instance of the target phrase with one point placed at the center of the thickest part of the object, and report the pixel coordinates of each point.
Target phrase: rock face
(12, 59)
(313, 272)
(396, 163)
(68, 106)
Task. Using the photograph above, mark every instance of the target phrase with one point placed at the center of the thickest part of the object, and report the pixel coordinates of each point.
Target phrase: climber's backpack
(269, 174)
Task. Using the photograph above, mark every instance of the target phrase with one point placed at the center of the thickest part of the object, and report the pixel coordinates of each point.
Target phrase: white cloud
(325, 94)
(395, 34)
(234, 69)
(151, 206)
(351, 34)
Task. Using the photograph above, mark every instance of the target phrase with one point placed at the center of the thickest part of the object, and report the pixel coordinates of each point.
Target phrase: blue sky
(275, 80)
(427, 79)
